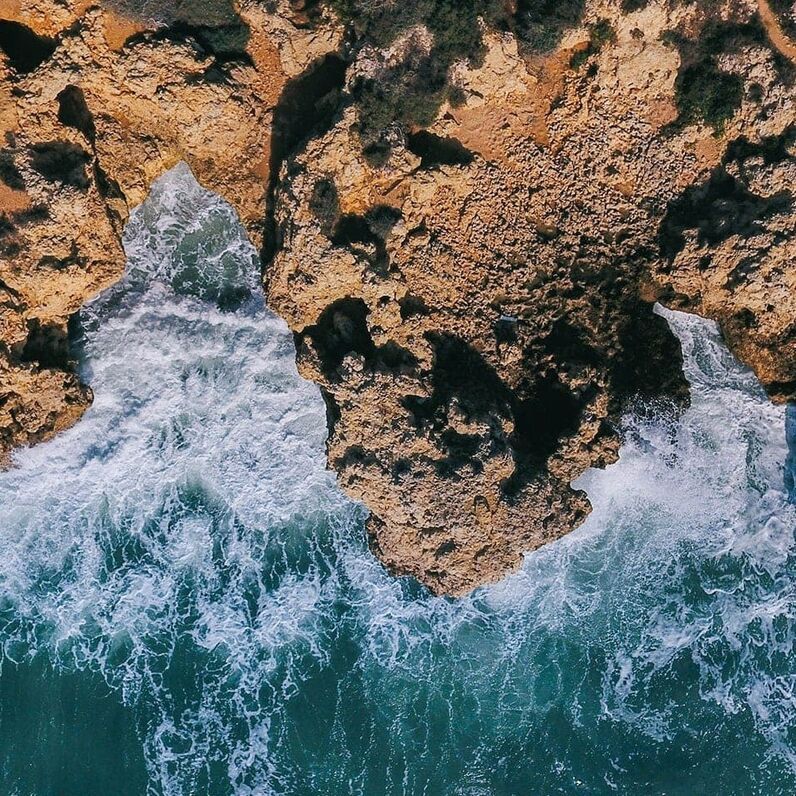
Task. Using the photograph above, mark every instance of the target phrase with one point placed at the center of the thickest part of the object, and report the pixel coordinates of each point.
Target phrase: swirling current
(188, 605)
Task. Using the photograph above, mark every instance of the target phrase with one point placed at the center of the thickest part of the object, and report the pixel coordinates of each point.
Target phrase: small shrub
(381, 219)
(9, 173)
(579, 58)
(671, 38)
(705, 92)
(786, 13)
(456, 96)
(411, 93)
(325, 205)
(540, 24)
(600, 34)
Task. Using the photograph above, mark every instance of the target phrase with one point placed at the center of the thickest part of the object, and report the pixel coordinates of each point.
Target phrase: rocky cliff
(466, 212)
(94, 104)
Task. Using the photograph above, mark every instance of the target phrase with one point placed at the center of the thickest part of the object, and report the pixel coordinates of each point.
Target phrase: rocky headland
(466, 212)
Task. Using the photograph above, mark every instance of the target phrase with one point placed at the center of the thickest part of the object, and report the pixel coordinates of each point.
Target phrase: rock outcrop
(478, 307)
(469, 273)
(94, 106)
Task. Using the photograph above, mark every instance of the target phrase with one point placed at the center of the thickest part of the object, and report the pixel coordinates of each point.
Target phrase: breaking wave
(185, 545)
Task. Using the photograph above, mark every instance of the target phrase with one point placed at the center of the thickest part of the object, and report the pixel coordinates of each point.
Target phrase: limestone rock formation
(93, 107)
(477, 307)
(465, 225)
(729, 248)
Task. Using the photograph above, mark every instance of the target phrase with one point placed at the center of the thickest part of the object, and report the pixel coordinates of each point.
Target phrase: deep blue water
(188, 605)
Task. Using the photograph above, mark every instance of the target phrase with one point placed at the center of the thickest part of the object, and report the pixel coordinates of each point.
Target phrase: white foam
(202, 450)
(191, 508)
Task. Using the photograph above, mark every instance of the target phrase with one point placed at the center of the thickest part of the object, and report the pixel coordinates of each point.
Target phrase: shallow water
(188, 605)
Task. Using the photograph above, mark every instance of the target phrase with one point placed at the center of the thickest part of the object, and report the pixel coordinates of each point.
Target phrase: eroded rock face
(474, 343)
(471, 288)
(477, 307)
(729, 248)
(95, 105)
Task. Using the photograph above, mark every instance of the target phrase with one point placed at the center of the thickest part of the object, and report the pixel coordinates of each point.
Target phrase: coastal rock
(474, 293)
(100, 106)
(478, 307)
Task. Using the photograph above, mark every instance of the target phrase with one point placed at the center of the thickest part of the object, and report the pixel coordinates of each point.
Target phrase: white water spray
(185, 538)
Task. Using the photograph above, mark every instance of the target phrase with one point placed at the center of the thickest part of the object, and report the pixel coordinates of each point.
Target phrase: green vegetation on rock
(412, 92)
(600, 34)
(707, 93)
(325, 204)
(214, 23)
(786, 13)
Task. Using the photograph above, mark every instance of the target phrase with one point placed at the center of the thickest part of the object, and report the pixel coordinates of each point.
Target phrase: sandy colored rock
(84, 134)
(477, 308)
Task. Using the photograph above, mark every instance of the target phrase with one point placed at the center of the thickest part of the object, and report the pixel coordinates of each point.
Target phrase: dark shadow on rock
(307, 106)
(61, 161)
(73, 112)
(342, 330)
(25, 50)
(724, 205)
(434, 150)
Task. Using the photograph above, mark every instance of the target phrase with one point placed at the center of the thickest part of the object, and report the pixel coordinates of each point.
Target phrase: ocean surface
(188, 606)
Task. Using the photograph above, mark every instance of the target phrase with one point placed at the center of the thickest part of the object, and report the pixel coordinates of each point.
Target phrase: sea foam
(186, 542)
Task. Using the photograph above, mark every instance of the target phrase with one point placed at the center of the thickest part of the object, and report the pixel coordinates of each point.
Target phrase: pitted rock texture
(729, 246)
(93, 107)
(477, 308)
(471, 286)
(472, 364)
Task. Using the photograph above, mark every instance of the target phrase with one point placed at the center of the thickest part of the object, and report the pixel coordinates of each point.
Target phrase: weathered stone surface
(112, 104)
(476, 300)
(729, 246)
(477, 308)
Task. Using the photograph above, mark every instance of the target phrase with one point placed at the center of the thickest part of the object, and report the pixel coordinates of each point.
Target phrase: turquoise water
(188, 605)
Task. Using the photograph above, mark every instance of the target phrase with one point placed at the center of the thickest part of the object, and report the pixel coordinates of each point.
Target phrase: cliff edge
(466, 213)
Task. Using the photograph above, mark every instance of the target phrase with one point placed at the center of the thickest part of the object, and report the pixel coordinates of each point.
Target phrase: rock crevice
(465, 235)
